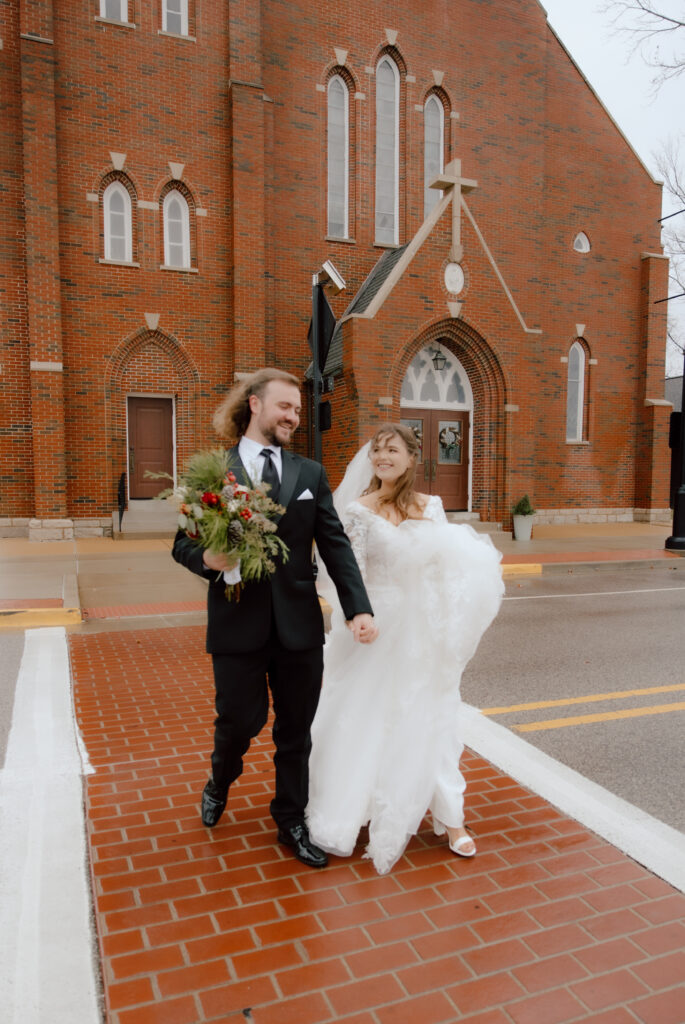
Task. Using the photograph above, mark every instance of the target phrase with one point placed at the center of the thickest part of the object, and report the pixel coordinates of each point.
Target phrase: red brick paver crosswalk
(547, 924)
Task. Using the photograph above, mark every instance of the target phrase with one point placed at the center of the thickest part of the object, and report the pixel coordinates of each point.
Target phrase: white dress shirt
(250, 453)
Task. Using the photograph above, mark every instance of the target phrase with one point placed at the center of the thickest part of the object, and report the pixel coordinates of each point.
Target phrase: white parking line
(660, 848)
(595, 593)
(47, 951)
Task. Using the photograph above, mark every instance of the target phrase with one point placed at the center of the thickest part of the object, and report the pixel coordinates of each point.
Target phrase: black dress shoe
(213, 804)
(297, 837)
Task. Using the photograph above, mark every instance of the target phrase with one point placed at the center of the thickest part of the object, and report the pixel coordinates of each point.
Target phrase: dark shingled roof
(360, 303)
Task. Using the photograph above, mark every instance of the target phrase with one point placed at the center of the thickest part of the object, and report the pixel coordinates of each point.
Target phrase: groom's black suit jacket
(288, 600)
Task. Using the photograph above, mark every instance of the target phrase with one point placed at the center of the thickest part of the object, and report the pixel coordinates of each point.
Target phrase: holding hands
(363, 628)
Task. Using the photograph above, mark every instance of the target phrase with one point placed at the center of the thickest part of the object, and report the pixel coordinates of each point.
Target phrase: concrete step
(145, 520)
(473, 520)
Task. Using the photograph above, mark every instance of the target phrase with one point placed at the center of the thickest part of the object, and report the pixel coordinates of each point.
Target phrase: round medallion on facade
(454, 278)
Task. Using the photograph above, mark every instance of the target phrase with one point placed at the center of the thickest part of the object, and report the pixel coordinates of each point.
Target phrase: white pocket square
(305, 496)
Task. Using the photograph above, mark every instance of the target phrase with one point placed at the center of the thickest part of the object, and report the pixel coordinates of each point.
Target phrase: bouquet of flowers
(228, 518)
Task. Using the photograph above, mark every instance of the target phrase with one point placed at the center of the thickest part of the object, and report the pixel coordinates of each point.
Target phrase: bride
(386, 740)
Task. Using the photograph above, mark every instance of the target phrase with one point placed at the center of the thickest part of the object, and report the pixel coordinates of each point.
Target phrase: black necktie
(270, 474)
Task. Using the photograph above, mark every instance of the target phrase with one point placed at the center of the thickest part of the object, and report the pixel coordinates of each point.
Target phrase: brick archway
(155, 363)
(489, 387)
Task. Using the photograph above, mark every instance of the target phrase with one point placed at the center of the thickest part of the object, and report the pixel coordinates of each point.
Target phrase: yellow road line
(522, 569)
(589, 699)
(605, 716)
(33, 618)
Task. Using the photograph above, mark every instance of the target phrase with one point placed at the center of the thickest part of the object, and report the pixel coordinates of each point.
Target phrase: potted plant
(522, 514)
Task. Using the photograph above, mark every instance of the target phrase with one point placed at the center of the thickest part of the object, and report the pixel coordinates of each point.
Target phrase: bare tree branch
(656, 31)
(670, 162)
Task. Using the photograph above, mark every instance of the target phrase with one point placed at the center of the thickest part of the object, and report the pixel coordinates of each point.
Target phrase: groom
(272, 638)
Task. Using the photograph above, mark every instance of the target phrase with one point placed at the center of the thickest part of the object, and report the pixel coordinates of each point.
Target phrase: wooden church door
(444, 457)
(150, 444)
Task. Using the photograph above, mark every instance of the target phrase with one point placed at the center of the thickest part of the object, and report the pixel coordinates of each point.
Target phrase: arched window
(176, 230)
(117, 216)
(581, 243)
(114, 10)
(338, 157)
(433, 150)
(575, 393)
(175, 17)
(387, 151)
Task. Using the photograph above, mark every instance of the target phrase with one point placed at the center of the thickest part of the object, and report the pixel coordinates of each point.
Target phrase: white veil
(357, 478)
(355, 481)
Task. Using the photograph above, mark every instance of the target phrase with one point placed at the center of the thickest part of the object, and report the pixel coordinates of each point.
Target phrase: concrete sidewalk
(97, 579)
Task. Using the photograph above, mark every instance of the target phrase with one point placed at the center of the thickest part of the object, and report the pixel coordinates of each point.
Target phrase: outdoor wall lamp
(438, 359)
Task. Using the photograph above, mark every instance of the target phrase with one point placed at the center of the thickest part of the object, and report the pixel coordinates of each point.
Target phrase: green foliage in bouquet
(226, 517)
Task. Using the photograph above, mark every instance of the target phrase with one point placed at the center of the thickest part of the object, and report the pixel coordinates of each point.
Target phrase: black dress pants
(242, 683)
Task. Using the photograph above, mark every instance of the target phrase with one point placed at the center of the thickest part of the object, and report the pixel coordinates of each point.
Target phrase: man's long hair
(403, 495)
(232, 418)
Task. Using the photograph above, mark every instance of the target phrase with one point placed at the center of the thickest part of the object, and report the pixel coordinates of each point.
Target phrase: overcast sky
(623, 83)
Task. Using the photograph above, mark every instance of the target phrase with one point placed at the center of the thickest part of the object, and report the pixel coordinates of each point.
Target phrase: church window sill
(338, 238)
(176, 35)
(179, 270)
(116, 24)
(119, 263)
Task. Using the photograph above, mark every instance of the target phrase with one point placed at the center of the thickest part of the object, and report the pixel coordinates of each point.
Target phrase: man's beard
(270, 435)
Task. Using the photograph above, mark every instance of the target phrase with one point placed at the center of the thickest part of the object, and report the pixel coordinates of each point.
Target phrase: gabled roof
(380, 272)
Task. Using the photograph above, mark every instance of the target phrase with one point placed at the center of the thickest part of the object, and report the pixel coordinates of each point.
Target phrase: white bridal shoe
(461, 845)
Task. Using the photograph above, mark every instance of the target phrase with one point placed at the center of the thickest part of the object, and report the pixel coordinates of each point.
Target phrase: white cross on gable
(450, 180)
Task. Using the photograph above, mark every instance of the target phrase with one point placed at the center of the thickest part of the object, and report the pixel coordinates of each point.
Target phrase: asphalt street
(586, 641)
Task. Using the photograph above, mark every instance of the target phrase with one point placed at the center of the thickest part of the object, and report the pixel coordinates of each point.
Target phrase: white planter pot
(523, 526)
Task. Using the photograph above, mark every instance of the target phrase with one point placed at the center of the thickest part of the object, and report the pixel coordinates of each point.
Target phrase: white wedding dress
(386, 737)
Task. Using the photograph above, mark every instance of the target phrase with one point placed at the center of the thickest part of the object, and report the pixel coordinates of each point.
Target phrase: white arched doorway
(437, 403)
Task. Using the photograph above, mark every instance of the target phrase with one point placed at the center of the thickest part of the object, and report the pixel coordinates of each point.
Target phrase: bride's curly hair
(403, 495)
(233, 416)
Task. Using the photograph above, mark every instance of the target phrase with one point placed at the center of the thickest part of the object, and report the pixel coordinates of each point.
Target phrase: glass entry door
(444, 466)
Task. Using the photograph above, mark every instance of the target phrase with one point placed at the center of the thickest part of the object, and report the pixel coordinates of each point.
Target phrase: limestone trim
(498, 273)
(115, 24)
(46, 367)
(176, 35)
(598, 514)
(36, 39)
(413, 247)
(118, 263)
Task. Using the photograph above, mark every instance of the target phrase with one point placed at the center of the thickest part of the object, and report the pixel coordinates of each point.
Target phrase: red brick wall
(239, 108)
(16, 450)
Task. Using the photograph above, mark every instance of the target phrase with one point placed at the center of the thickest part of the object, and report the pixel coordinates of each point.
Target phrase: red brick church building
(174, 173)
